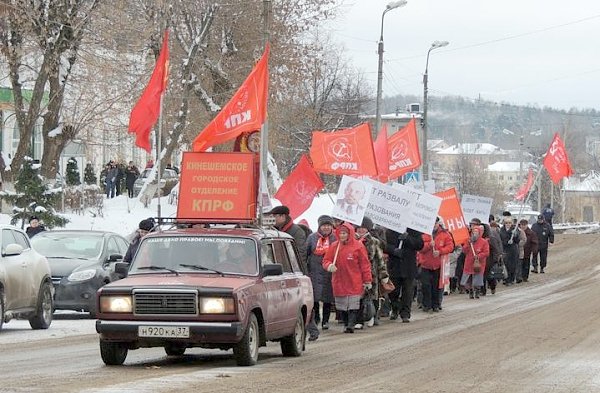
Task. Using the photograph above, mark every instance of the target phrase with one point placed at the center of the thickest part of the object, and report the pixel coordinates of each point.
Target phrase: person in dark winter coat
(144, 227)
(548, 214)
(491, 232)
(530, 248)
(111, 179)
(131, 174)
(545, 235)
(317, 245)
(34, 227)
(284, 223)
(402, 267)
(510, 247)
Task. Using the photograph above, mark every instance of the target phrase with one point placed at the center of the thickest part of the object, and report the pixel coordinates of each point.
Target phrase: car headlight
(82, 275)
(112, 303)
(216, 305)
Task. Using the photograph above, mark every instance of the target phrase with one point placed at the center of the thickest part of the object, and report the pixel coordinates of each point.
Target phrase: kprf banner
(299, 188)
(452, 215)
(246, 111)
(344, 152)
(556, 161)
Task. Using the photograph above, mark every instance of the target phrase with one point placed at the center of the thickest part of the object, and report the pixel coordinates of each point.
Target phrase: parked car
(227, 288)
(25, 286)
(168, 176)
(80, 262)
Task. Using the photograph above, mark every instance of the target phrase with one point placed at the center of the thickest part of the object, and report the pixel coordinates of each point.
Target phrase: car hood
(184, 279)
(64, 267)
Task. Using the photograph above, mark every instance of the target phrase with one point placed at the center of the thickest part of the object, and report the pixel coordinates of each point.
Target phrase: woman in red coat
(475, 247)
(348, 261)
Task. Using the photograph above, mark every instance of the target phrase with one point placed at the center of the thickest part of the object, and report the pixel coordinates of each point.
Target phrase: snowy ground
(122, 215)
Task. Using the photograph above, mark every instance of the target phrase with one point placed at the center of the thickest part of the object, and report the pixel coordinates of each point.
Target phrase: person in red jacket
(475, 248)
(435, 246)
(347, 259)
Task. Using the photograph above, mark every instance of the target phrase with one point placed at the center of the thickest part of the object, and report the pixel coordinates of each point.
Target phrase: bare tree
(40, 42)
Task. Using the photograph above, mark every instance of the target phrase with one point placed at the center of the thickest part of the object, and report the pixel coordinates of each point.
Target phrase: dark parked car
(221, 288)
(25, 286)
(80, 262)
(169, 178)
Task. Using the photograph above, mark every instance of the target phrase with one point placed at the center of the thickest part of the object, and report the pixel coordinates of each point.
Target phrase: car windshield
(200, 254)
(68, 245)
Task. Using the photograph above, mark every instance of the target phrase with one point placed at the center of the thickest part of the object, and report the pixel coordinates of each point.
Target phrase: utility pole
(264, 134)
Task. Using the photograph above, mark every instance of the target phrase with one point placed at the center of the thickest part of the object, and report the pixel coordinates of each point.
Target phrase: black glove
(397, 252)
(402, 236)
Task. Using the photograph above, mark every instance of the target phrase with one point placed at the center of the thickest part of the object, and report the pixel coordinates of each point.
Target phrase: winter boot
(476, 293)
(471, 294)
(351, 321)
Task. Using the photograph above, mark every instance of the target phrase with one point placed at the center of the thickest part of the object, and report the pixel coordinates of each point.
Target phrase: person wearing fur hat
(348, 261)
(34, 227)
(365, 234)
(476, 248)
(435, 246)
(144, 227)
(317, 245)
(284, 223)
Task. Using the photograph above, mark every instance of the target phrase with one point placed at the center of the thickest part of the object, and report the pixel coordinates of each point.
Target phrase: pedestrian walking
(476, 251)
(545, 235)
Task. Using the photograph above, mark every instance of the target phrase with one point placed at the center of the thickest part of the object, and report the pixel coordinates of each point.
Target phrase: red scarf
(322, 245)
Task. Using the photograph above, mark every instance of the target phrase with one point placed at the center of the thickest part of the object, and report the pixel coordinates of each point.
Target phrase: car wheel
(1, 309)
(293, 345)
(43, 312)
(113, 354)
(246, 351)
(175, 350)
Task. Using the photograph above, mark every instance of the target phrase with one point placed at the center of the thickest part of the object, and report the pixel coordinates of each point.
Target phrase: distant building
(481, 154)
(582, 197)
(508, 175)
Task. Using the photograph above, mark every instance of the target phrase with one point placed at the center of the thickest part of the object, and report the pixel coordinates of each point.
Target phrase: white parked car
(26, 290)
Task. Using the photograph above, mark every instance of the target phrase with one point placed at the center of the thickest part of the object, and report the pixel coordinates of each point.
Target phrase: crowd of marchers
(362, 273)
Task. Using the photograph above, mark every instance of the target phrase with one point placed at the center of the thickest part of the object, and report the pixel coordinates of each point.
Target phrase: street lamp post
(389, 7)
(425, 165)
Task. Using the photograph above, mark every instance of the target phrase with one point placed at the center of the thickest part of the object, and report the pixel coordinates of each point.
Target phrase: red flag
(524, 190)
(245, 111)
(145, 112)
(299, 189)
(380, 147)
(344, 152)
(403, 151)
(556, 161)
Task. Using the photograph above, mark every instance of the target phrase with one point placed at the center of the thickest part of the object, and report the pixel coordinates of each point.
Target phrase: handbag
(497, 272)
(367, 308)
(387, 287)
(476, 262)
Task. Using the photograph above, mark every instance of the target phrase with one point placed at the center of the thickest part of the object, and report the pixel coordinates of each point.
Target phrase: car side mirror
(13, 249)
(115, 257)
(122, 269)
(273, 269)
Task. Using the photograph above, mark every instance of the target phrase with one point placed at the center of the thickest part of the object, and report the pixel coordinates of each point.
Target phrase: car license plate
(164, 331)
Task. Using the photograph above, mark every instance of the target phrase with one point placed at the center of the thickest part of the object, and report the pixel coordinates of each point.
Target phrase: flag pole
(158, 155)
(526, 199)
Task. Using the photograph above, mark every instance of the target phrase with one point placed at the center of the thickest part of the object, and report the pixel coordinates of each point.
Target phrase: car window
(122, 244)
(7, 238)
(21, 240)
(225, 254)
(281, 256)
(113, 248)
(267, 256)
(292, 256)
(68, 245)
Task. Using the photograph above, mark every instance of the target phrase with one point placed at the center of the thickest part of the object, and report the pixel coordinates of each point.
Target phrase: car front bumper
(201, 333)
(77, 296)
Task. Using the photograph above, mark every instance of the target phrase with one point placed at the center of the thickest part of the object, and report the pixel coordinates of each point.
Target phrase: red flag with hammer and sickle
(403, 151)
(300, 188)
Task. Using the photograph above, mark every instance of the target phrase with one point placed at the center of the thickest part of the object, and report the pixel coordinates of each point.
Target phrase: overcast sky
(527, 52)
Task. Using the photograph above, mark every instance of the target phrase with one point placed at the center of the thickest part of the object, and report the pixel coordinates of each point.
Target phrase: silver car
(26, 290)
(169, 178)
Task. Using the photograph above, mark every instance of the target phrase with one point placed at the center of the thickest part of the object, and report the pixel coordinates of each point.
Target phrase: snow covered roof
(436, 144)
(473, 148)
(509, 166)
(396, 116)
(587, 182)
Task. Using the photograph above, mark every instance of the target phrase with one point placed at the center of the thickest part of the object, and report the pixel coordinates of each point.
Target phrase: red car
(226, 288)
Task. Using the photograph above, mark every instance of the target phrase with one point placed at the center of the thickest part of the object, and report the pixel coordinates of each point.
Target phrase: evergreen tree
(73, 176)
(89, 176)
(31, 198)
